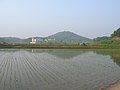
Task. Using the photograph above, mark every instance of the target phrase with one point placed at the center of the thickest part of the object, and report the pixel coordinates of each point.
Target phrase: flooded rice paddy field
(58, 69)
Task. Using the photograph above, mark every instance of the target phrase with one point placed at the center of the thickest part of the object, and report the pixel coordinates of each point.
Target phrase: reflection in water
(42, 69)
(114, 54)
(67, 54)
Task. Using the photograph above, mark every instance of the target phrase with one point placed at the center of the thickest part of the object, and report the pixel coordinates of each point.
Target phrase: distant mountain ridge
(61, 37)
(10, 39)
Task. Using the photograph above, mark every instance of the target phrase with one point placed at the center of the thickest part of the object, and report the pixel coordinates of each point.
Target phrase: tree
(116, 33)
(102, 38)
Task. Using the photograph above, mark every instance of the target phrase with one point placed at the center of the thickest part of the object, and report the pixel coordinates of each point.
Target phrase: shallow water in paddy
(58, 69)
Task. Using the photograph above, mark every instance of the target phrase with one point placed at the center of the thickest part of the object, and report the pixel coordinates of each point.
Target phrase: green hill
(68, 37)
(11, 40)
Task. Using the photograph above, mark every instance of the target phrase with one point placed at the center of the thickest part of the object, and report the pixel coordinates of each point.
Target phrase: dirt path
(113, 86)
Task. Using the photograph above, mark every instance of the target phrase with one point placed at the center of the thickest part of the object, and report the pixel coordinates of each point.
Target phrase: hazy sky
(89, 18)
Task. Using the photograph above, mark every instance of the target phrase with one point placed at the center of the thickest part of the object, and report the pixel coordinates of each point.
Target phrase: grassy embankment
(91, 46)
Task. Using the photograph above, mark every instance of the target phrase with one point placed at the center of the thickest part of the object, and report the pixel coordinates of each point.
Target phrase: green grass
(95, 46)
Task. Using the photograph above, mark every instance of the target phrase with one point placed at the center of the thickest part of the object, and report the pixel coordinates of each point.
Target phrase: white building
(33, 41)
